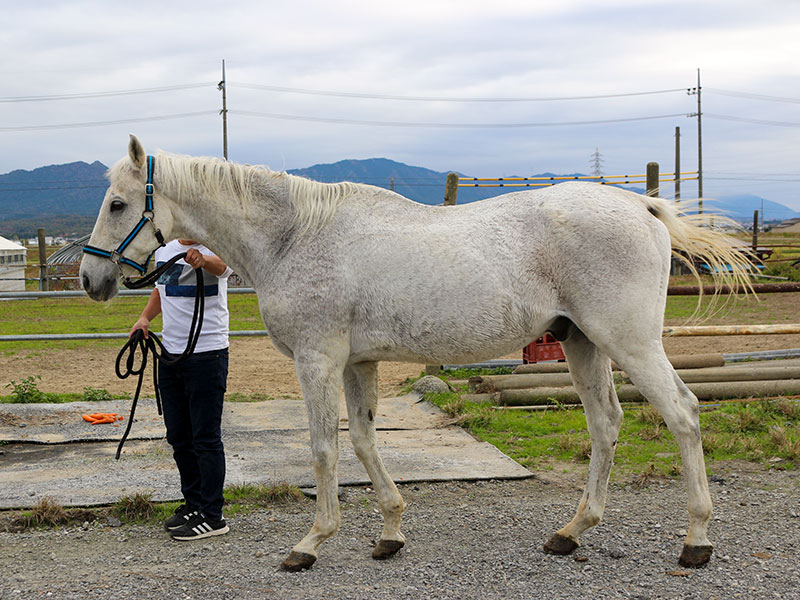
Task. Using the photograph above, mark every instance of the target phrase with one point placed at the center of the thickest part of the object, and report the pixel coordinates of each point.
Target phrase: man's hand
(195, 258)
(144, 324)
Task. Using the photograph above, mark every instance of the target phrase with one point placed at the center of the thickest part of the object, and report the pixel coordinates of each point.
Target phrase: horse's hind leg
(361, 394)
(592, 377)
(655, 378)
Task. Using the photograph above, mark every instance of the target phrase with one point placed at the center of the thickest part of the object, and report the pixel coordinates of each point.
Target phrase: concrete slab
(51, 451)
(60, 423)
(86, 474)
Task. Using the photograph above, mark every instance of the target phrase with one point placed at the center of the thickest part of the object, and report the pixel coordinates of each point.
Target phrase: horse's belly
(443, 344)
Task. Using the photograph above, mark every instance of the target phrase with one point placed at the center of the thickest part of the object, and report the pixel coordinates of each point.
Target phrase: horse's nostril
(85, 282)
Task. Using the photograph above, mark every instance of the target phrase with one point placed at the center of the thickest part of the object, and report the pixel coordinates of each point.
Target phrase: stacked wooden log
(543, 384)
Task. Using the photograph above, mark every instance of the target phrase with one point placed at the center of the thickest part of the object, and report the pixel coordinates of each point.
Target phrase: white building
(13, 259)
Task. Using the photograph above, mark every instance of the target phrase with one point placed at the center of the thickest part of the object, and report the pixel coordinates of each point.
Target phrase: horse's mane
(314, 203)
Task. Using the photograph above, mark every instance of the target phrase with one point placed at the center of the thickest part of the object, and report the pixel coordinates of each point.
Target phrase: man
(192, 390)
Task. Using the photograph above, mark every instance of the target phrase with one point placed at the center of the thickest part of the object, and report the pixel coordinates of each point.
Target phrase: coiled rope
(152, 344)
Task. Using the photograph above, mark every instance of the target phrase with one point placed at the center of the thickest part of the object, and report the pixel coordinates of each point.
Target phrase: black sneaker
(183, 515)
(199, 527)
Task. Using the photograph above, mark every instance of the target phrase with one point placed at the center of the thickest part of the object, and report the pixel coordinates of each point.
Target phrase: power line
(103, 123)
(444, 125)
(47, 181)
(58, 187)
(753, 121)
(745, 178)
(309, 92)
(169, 88)
(752, 96)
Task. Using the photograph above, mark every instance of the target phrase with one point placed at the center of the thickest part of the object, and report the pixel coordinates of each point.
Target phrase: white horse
(348, 275)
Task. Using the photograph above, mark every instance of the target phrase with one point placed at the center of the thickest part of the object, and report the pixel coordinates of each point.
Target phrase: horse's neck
(239, 230)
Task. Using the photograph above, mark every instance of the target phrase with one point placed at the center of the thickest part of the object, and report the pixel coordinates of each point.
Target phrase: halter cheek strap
(116, 256)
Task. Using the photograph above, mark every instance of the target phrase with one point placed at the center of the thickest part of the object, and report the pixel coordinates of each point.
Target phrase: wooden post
(43, 283)
(677, 164)
(652, 179)
(755, 230)
(451, 189)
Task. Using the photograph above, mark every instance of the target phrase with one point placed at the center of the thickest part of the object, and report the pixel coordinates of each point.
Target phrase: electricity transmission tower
(596, 163)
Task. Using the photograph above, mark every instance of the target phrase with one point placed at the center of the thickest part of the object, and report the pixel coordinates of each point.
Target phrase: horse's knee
(324, 458)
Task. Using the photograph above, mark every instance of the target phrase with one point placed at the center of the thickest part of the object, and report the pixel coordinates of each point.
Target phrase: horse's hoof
(695, 556)
(386, 548)
(559, 544)
(297, 561)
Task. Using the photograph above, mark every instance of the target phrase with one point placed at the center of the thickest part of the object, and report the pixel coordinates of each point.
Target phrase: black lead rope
(153, 346)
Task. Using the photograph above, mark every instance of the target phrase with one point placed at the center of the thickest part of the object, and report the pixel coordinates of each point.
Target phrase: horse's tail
(694, 240)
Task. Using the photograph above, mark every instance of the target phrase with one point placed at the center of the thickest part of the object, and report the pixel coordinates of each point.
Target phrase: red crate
(545, 348)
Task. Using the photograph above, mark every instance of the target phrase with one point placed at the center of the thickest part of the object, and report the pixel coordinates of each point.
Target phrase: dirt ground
(256, 367)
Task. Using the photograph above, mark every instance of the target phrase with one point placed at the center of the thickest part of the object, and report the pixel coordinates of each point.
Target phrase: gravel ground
(464, 540)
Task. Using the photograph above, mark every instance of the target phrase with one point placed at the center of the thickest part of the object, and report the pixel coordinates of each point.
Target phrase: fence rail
(81, 293)
(51, 337)
(548, 181)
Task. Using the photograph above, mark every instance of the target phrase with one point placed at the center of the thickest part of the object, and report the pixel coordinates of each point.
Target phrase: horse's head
(127, 228)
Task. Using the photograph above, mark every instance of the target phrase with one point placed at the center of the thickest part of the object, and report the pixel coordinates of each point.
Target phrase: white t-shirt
(177, 288)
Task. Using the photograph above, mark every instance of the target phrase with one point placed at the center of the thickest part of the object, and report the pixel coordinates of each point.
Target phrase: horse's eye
(117, 205)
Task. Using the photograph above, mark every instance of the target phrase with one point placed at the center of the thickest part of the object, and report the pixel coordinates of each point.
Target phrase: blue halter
(116, 256)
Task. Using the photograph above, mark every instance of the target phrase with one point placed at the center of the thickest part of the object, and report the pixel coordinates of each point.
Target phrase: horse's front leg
(361, 393)
(321, 382)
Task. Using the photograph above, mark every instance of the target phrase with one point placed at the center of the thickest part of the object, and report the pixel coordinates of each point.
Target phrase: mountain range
(65, 198)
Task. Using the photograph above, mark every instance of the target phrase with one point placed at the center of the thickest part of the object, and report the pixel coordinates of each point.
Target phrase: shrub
(27, 390)
(46, 512)
(138, 506)
(91, 394)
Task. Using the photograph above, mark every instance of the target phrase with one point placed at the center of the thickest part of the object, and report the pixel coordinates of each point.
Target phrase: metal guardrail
(79, 293)
(49, 337)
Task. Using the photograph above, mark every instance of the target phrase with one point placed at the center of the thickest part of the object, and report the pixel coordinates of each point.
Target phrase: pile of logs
(543, 384)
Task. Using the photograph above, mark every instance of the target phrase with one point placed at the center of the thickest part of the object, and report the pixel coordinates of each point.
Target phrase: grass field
(82, 315)
(766, 431)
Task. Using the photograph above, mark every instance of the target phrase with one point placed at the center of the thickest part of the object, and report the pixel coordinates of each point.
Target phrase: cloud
(433, 48)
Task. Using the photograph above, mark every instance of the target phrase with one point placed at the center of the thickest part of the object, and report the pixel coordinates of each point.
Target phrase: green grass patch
(82, 315)
(139, 509)
(765, 431)
(239, 397)
(467, 373)
(26, 391)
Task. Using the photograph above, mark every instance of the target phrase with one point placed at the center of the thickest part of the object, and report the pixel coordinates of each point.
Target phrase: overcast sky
(382, 57)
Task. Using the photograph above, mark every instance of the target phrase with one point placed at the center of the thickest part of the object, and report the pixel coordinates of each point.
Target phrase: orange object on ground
(101, 418)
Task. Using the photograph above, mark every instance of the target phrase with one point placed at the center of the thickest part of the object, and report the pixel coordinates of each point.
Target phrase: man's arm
(211, 263)
(151, 310)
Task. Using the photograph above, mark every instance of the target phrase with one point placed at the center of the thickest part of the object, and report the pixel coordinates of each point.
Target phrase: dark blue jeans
(192, 392)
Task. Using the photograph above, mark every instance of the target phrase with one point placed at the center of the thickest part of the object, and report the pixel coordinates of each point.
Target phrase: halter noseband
(116, 256)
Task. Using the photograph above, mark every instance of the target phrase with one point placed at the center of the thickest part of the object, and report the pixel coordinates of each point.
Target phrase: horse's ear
(136, 152)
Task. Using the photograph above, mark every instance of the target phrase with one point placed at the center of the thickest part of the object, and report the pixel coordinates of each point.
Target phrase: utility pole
(224, 112)
(699, 114)
(677, 164)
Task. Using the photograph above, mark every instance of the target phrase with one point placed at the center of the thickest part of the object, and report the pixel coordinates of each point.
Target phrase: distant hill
(741, 206)
(75, 188)
(65, 198)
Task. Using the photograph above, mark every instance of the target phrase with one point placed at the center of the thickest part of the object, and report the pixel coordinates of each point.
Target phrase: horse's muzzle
(100, 281)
